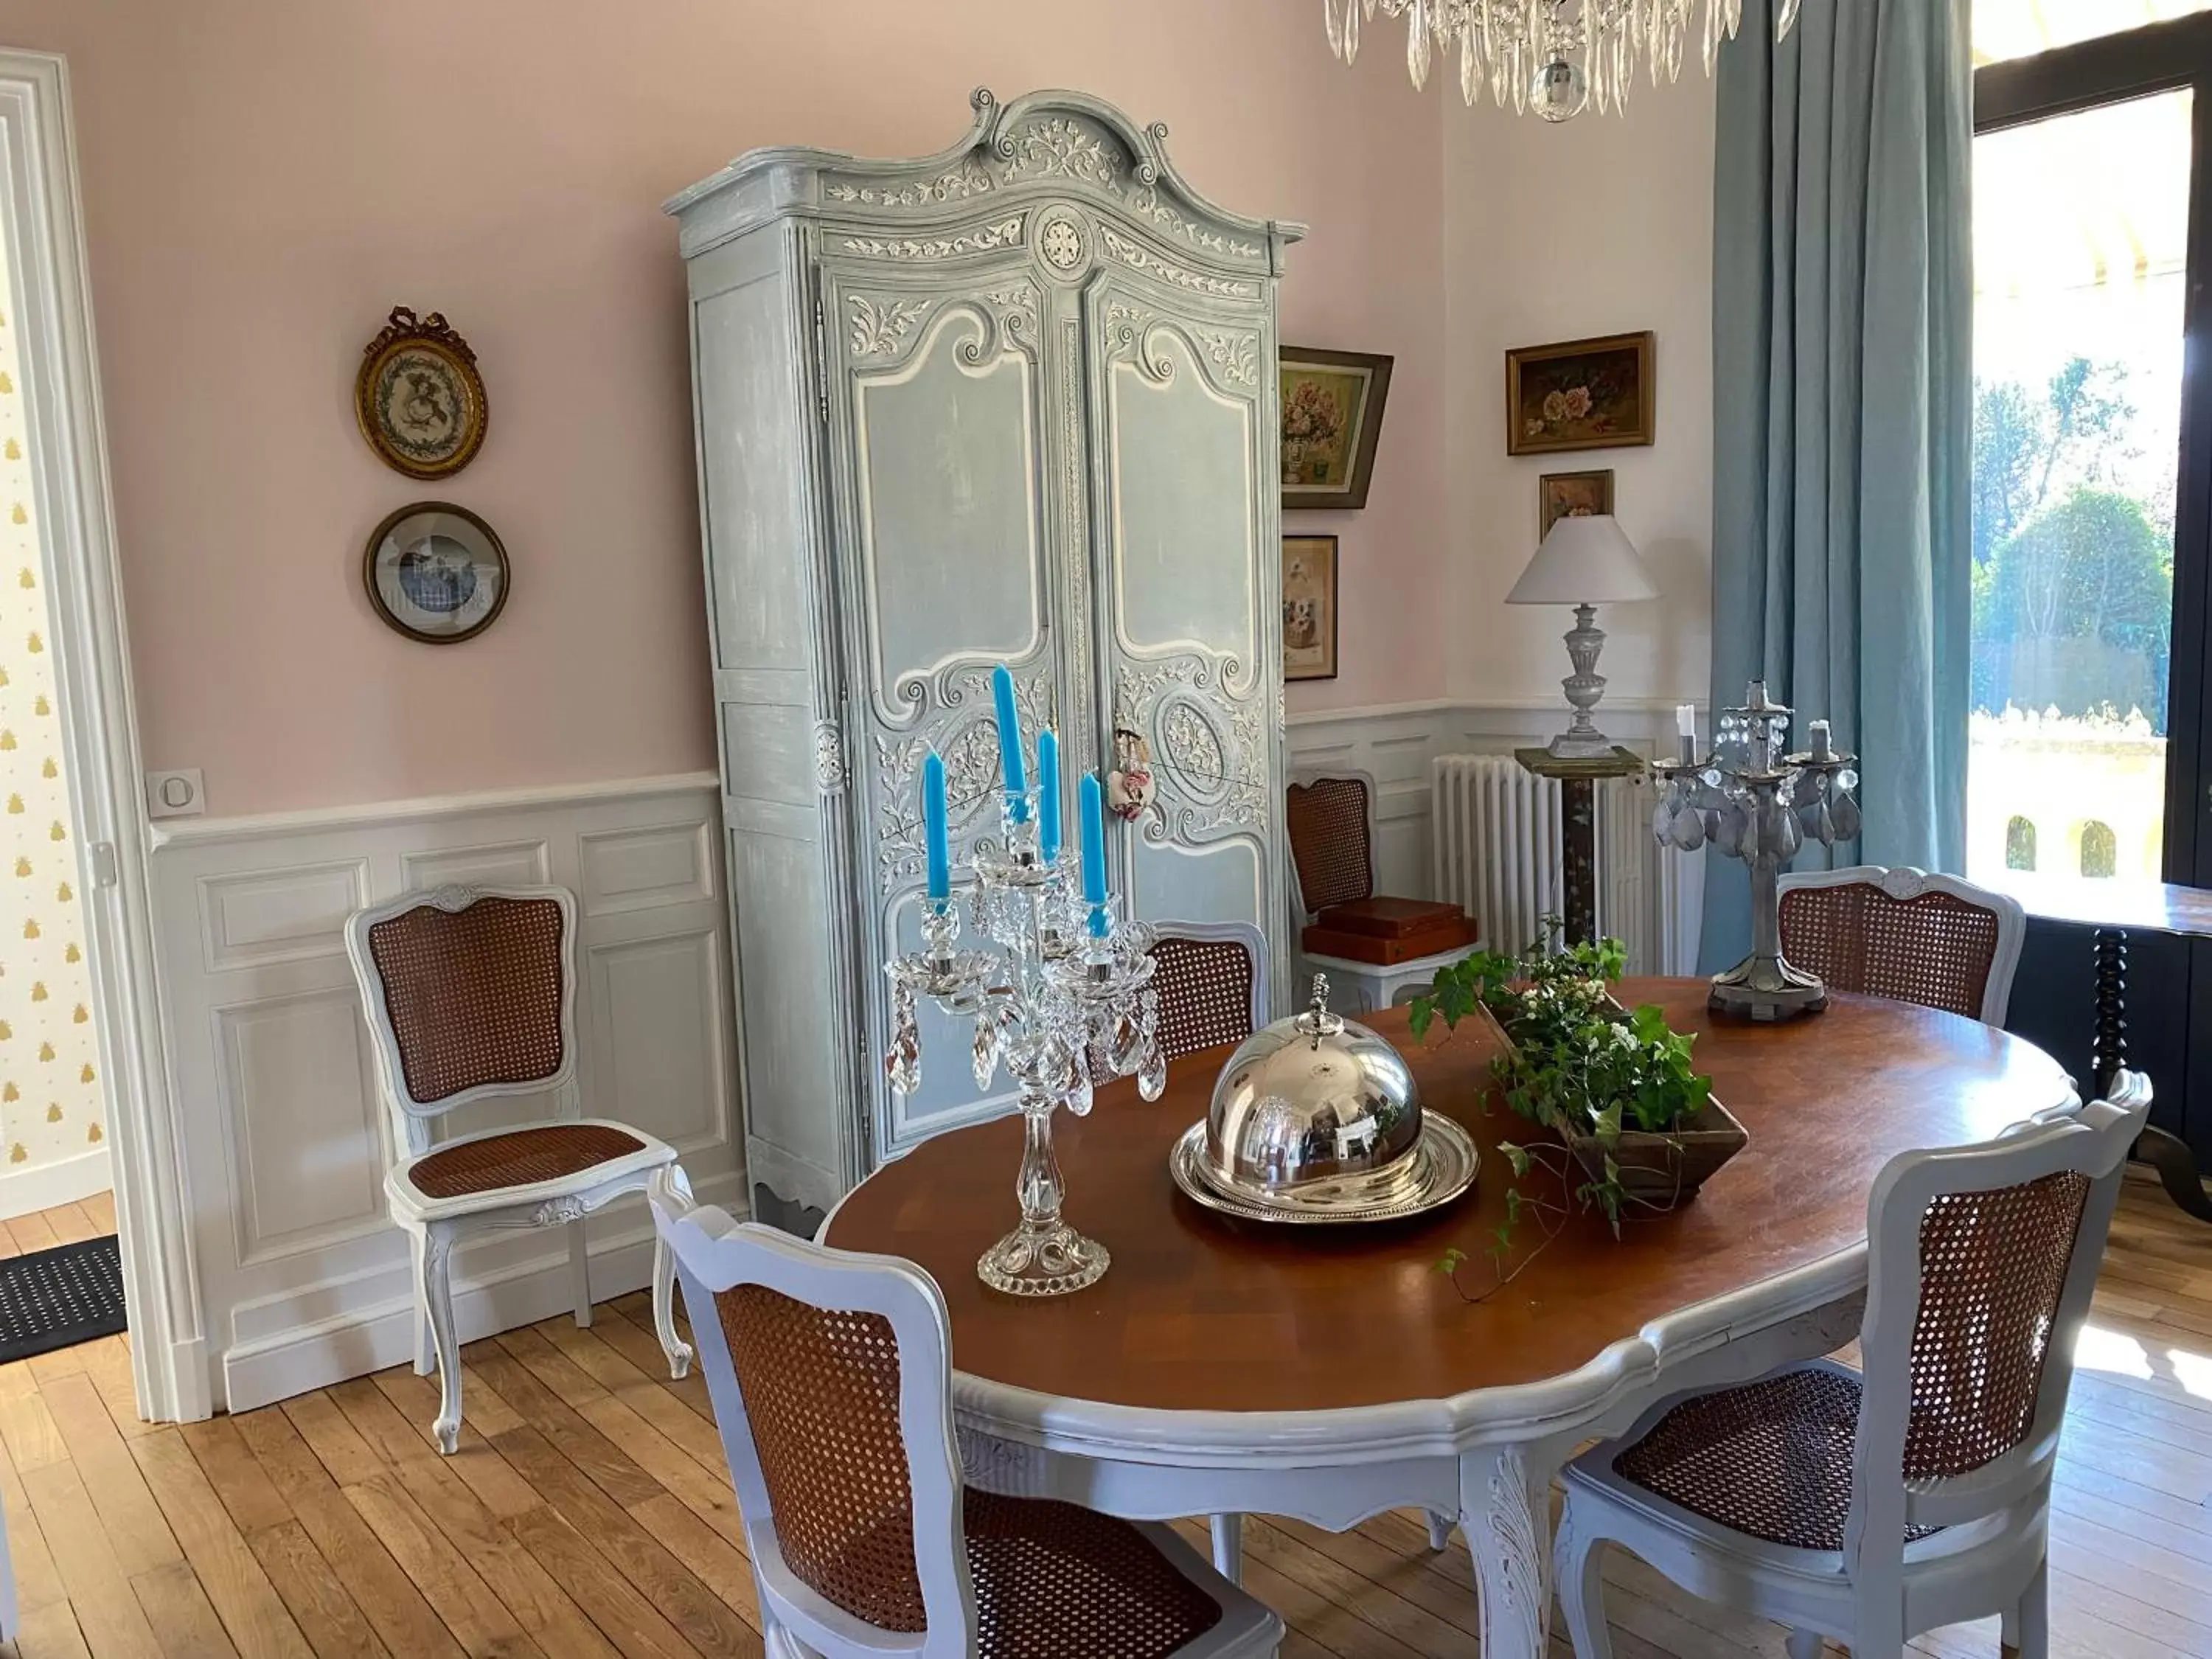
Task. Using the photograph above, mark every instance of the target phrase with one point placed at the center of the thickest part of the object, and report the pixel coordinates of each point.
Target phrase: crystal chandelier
(1555, 56)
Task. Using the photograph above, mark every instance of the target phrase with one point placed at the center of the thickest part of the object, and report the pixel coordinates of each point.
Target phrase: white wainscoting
(285, 1140)
(1396, 745)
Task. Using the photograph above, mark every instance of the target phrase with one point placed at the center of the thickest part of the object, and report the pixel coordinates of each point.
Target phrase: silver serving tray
(1441, 1167)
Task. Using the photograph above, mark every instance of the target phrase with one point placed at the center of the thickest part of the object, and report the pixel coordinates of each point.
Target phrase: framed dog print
(1309, 607)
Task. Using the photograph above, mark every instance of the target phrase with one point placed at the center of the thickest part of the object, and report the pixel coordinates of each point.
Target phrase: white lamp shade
(1585, 561)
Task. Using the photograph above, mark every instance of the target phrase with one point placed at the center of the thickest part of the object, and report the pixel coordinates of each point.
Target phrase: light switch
(175, 794)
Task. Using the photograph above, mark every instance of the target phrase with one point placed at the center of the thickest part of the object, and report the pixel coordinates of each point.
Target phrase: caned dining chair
(1903, 933)
(831, 1381)
(1873, 1505)
(1211, 978)
(1330, 818)
(471, 995)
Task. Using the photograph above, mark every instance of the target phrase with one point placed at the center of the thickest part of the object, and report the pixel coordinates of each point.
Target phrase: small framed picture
(435, 572)
(1584, 394)
(1574, 496)
(1309, 607)
(418, 399)
(1333, 404)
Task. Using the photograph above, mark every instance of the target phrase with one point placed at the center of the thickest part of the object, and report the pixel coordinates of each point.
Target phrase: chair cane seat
(519, 1157)
(1056, 1582)
(1771, 1460)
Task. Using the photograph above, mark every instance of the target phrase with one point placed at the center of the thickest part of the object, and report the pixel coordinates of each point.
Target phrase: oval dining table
(1224, 1367)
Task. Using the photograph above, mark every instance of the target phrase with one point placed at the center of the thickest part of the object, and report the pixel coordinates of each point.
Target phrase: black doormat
(59, 1298)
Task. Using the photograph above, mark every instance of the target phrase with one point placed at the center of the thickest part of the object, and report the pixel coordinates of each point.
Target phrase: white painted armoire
(1015, 403)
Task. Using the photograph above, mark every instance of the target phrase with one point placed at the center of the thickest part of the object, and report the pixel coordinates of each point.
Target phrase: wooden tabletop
(1200, 1312)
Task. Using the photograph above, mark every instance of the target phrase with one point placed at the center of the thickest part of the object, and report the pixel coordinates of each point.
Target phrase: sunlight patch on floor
(2192, 1370)
(2099, 1350)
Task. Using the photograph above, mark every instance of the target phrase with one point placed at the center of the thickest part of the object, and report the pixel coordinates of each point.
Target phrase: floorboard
(588, 1513)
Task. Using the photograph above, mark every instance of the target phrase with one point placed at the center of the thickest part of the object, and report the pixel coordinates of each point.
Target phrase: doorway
(86, 1134)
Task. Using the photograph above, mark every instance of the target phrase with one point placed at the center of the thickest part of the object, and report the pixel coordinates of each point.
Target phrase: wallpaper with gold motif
(51, 1102)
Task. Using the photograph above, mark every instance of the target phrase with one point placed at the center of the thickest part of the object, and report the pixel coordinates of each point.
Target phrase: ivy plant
(1579, 1065)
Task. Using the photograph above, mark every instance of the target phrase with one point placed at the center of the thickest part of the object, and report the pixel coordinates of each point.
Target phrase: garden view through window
(2081, 253)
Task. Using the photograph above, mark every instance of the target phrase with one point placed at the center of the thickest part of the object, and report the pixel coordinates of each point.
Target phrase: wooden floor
(588, 1514)
(65, 1224)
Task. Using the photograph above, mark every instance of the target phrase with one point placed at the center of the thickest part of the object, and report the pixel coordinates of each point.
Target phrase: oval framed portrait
(418, 397)
(435, 572)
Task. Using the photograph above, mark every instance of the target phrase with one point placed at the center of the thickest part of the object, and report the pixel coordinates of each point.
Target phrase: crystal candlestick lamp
(1757, 803)
(1062, 994)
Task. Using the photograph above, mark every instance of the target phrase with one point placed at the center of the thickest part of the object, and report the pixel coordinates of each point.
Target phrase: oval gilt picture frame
(418, 397)
(435, 572)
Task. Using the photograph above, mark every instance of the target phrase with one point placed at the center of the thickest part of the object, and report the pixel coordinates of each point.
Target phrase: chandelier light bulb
(1560, 91)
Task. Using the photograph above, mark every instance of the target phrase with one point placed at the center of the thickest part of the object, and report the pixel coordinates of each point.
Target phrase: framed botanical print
(1333, 404)
(436, 572)
(1584, 394)
(1309, 607)
(1574, 496)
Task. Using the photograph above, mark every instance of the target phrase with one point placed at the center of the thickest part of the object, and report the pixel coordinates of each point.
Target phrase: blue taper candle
(1048, 794)
(1093, 854)
(1010, 741)
(933, 823)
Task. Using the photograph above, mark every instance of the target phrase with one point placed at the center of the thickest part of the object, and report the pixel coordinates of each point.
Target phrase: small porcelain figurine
(1129, 787)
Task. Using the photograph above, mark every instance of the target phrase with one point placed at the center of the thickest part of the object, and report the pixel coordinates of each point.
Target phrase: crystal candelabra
(1757, 803)
(1066, 993)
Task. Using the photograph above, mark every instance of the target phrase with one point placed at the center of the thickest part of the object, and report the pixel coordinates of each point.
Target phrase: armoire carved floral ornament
(1015, 402)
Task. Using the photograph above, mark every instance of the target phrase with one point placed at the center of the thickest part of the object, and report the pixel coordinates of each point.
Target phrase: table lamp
(1585, 562)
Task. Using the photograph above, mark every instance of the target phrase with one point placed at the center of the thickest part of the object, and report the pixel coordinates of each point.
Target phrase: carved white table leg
(1228, 1547)
(1504, 1510)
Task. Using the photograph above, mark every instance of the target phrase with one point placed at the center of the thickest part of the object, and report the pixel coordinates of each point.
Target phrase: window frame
(2116, 69)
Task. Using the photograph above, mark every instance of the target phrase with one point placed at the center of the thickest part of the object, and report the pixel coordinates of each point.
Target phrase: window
(2018, 28)
(2092, 526)
(2101, 851)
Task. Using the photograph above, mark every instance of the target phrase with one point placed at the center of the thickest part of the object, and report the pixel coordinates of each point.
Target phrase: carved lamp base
(1768, 990)
(1051, 1259)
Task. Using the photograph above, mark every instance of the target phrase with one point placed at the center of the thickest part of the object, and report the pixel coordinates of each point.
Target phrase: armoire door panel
(1183, 519)
(1188, 624)
(939, 383)
(950, 510)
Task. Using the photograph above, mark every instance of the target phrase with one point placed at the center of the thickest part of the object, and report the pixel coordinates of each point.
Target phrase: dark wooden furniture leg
(1578, 836)
(2166, 1153)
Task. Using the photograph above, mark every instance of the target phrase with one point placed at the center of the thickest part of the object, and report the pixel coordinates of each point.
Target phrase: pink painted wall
(264, 178)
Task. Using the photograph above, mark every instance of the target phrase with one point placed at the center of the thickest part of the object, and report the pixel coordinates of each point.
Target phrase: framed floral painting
(1333, 404)
(1574, 496)
(1584, 394)
(1309, 607)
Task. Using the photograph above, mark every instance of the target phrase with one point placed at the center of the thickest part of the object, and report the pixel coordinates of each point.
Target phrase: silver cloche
(1316, 1118)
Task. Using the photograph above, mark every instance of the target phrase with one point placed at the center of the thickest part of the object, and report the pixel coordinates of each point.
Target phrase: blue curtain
(1843, 318)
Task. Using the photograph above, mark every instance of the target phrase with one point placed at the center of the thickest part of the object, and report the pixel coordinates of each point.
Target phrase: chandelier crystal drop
(1555, 56)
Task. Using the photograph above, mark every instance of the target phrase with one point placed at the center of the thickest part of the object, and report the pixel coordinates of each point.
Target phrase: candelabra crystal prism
(1754, 802)
(1063, 995)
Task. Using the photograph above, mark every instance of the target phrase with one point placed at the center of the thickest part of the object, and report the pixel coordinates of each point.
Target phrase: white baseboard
(62, 1182)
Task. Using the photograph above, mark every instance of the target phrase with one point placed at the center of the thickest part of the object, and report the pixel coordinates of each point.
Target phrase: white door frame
(69, 455)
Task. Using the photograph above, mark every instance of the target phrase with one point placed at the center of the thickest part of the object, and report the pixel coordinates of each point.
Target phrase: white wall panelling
(1396, 745)
(284, 1145)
